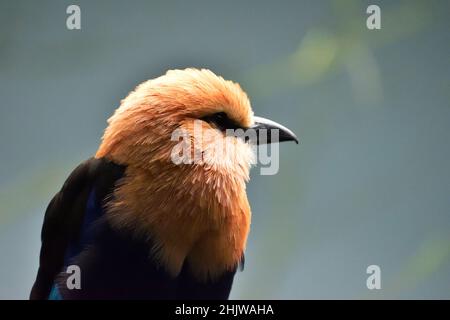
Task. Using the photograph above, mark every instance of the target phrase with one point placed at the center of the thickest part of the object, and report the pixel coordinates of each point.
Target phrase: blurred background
(369, 183)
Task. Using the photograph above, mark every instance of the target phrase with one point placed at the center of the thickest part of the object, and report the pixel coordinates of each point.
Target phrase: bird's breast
(197, 224)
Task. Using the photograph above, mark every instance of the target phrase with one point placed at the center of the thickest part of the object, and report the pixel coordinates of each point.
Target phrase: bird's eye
(221, 121)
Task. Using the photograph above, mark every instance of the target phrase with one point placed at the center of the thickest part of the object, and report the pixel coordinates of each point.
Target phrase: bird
(136, 224)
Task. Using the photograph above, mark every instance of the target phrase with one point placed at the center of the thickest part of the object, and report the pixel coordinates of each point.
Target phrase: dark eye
(221, 121)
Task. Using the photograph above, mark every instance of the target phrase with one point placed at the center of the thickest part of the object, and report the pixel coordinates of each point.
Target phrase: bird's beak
(284, 134)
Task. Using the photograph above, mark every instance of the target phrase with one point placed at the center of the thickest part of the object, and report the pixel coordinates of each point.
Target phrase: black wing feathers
(64, 216)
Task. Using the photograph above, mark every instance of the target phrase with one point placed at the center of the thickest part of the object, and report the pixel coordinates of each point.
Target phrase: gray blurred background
(369, 183)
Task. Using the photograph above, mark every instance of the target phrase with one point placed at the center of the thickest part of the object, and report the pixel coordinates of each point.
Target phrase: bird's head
(141, 131)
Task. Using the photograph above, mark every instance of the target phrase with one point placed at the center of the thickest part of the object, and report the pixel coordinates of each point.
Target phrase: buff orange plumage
(191, 220)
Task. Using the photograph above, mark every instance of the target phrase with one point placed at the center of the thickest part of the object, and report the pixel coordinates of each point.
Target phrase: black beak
(284, 134)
